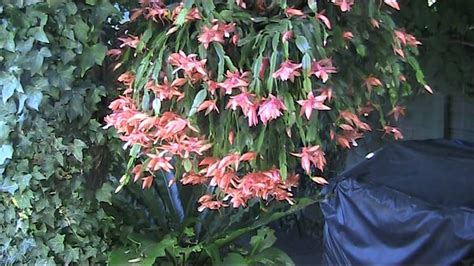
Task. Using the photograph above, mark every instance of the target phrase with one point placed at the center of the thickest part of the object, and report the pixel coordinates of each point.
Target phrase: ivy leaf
(34, 99)
(6, 152)
(10, 84)
(7, 41)
(200, 96)
(8, 186)
(71, 255)
(77, 148)
(92, 55)
(104, 194)
(56, 244)
(39, 34)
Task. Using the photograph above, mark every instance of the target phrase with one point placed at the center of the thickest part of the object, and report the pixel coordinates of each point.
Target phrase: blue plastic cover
(411, 203)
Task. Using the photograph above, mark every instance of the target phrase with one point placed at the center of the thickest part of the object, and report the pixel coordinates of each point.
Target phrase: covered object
(411, 202)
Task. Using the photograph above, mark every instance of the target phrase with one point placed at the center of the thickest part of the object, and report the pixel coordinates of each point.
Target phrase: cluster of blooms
(168, 135)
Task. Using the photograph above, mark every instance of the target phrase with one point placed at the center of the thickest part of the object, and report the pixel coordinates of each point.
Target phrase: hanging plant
(235, 95)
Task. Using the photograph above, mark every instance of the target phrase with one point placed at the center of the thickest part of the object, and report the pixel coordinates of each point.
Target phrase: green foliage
(152, 230)
(50, 136)
(446, 31)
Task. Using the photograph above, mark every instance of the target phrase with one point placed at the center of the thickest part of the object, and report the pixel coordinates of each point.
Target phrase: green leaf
(198, 99)
(34, 99)
(92, 55)
(9, 84)
(187, 165)
(71, 255)
(273, 256)
(104, 194)
(302, 44)
(6, 152)
(313, 5)
(361, 50)
(156, 104)
(39, 34)
(264, 239)
(56, 243)
(77, 148)
(8, 186)
(91, 2)
(234, 259)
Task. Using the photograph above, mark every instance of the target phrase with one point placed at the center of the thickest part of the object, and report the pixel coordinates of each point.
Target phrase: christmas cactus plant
(236, 95)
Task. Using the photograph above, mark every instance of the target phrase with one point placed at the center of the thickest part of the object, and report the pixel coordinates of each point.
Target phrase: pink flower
(209, 35)
(209, 106)
(311, 154)
(397, 134)
(287, 35)
(188, 63)
(397, 111)
(192, 15)
(375, 23)
(347, 35)
(130, 41)
(241, 3)
(372, 81)
(321, 17)
(216, 33)
(241, 100)
(287, 70)
(270, 109)
(114, 53)
(406, 39)
(251, 115)
(326, 92)
(290, 12)
(344, 5)
(322, 68)
(392, 3)
(311, 103)
(158, 162)
(235, 80)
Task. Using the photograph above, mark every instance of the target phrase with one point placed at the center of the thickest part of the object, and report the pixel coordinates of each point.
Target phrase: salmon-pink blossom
(235, 80)
(371, 81)
(158, 162)
(242, 100)
(397, 111)
(188, 63)
(392, 3)
(321, 17)
(287, 71)
(270, 109)
(344, 5)
(209, 106)
(291, 12)
(130, 41)
(312, 103)
(210, 34)
(397, 134)
(287, 35)
(322, 68)
(311, 154)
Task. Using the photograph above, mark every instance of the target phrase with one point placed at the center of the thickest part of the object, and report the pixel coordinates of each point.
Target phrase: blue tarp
(411, 203)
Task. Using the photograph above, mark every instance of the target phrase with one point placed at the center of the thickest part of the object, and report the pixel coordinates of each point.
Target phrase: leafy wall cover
(50, 139)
